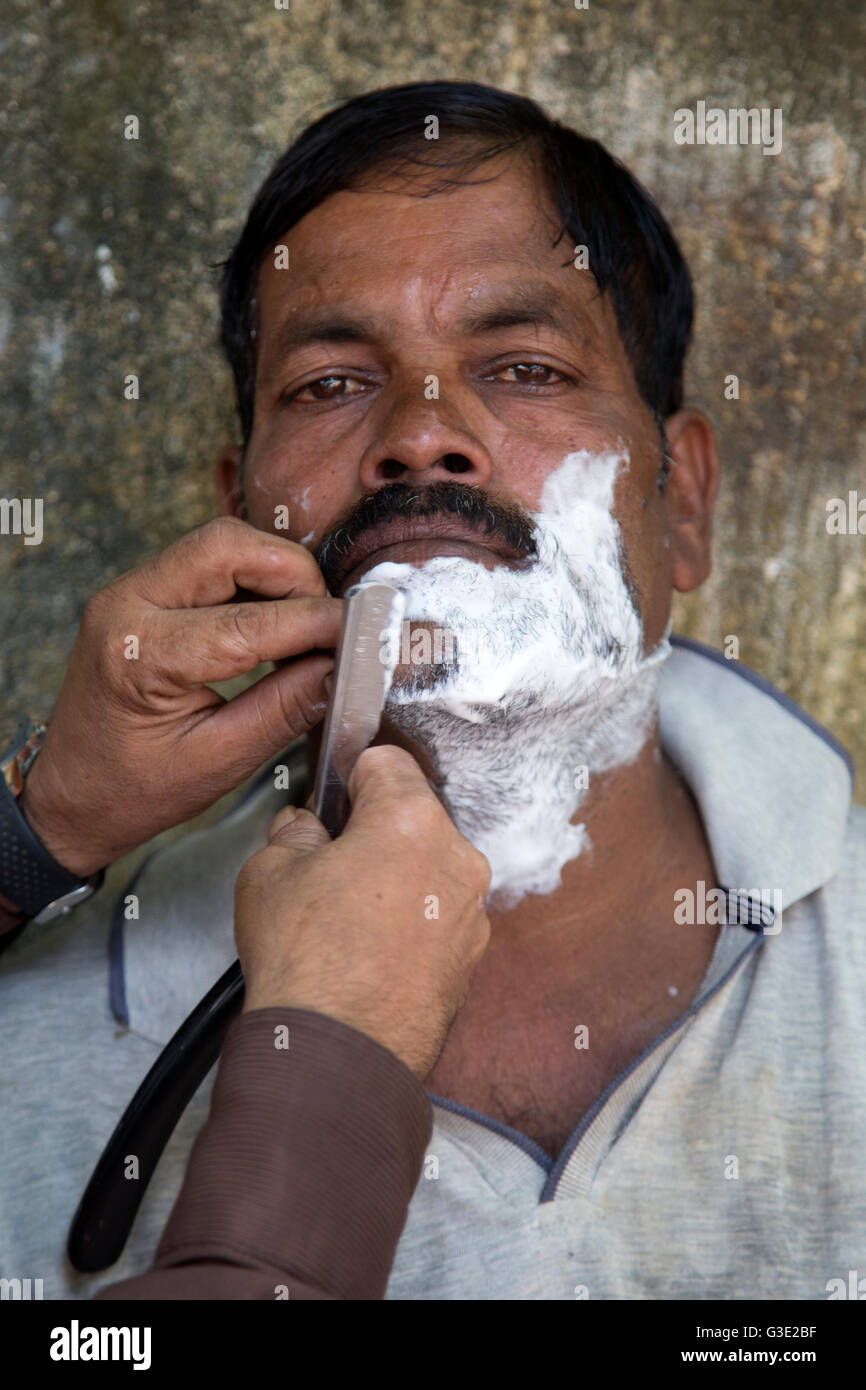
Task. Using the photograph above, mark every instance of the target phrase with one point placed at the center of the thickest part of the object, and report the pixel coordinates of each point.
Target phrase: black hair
(631, 249)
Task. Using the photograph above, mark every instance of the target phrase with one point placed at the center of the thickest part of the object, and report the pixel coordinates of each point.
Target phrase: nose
(424, 441)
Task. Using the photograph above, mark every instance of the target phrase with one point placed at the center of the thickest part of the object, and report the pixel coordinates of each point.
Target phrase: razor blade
(362, 678)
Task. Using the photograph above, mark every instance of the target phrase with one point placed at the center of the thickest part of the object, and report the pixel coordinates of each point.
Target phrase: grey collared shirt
(725, 1162)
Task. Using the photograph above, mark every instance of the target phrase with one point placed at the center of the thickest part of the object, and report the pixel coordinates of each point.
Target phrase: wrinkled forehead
(425, 263)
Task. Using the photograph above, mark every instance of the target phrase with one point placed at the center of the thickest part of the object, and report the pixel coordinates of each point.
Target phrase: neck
(609, 922)
(518, 776)
(645, 838)
(641, 838)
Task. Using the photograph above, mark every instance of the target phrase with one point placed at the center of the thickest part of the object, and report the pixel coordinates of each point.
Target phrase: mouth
(415, 541)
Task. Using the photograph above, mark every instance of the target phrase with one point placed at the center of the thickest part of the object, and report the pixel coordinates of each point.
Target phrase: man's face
(386, 290)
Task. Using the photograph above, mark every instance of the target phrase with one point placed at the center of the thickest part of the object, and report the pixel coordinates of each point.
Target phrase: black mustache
(505, 520)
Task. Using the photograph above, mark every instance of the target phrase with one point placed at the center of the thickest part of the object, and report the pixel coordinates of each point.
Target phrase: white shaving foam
(549, 678)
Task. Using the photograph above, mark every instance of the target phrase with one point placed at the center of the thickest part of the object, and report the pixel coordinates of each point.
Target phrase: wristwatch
(30, 877)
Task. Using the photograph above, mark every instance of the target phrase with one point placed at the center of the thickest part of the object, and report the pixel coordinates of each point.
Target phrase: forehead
(497, 207)
(392, 249)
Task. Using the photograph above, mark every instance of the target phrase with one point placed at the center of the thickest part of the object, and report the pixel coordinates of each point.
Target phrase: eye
(533, 373)
(324, 388)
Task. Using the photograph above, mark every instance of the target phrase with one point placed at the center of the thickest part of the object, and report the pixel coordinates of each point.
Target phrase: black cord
(111, 1200)
(110, 1203)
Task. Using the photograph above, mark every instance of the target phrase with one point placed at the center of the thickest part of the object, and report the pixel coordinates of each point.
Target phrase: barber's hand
(139, 742)
(380, 928)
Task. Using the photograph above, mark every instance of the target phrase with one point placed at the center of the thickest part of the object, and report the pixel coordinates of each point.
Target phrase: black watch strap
(30, 877)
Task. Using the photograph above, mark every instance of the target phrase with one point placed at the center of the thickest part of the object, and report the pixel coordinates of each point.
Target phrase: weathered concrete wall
(106, 249)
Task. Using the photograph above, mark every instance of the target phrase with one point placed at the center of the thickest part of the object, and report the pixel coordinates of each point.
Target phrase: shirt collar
(773, 786)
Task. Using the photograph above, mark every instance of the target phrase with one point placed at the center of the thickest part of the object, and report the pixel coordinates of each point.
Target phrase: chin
(428, 679)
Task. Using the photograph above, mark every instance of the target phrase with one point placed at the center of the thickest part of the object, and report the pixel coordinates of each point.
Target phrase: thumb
(297, 829)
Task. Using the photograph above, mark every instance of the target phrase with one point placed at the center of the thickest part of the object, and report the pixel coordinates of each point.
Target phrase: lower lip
(419, 551)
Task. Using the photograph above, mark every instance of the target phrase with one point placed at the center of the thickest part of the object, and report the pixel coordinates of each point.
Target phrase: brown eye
(327, 386)
(332, 387)
(531, 373)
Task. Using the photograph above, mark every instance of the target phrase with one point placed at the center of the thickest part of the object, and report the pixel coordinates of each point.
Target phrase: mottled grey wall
(106, 247)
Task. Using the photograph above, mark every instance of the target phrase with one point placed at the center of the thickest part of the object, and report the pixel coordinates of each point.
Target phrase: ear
(690, 493)
(227, 479)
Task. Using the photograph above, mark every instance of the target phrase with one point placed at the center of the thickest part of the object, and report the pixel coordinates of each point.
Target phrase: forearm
(300, 1182)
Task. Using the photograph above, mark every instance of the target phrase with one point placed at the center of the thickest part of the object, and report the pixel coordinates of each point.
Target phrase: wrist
(39, 877)
(360, 1020)
(76, 860)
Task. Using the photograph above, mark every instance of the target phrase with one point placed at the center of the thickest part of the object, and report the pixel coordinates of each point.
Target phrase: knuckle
(301, 709)
(392, 777)
(248, 877)
(215, 537)
(284, 817)
(480, 866)
(221, 528)
(242, 625)
(386, 760)
(98, 610)
(102, 634)
(254, 871)
(482, 941)
(416, 816)
(309, 579)
(268, 714)
(303, 839)
(294, 823)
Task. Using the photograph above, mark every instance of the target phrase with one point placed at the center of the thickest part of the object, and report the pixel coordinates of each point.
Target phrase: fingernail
(328, 684)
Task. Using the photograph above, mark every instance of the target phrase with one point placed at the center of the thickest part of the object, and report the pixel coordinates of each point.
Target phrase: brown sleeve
(302, 1175)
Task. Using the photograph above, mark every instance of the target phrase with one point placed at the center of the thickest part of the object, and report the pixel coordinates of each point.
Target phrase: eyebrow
(540, 307)
(321, 327)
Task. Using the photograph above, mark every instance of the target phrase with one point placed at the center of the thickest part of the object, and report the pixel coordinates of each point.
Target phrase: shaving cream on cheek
(549, 685)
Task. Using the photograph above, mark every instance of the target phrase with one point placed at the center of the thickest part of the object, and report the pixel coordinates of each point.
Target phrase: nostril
(456, 463)
(392, 469)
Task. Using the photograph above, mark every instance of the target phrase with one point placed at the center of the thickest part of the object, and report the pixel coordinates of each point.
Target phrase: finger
(297, 830)
(208, 565)
(247, 730)
(192, 647)
(387, 776)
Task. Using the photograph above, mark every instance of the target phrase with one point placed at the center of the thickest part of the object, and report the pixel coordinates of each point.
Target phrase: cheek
(528, 461)
(297, 502)
(641, 516)
(275, 504)
(649, 560)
